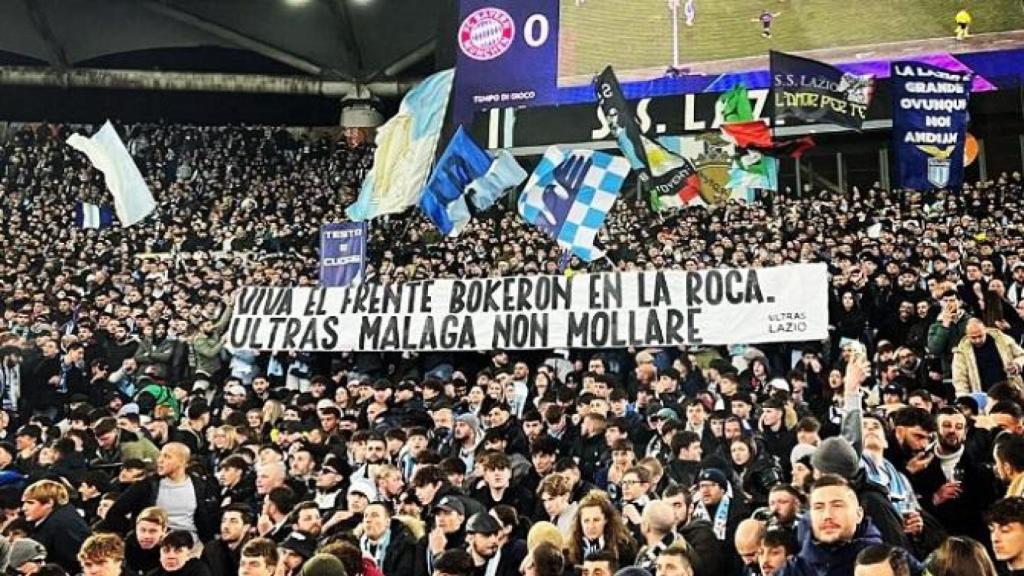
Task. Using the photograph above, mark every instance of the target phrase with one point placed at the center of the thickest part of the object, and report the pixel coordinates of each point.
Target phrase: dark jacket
(591, 452)
(194, 567)
(138, 561)
(683, 472)
(758, 479)
(815, 559)
(515, 496)
(700, 535)
(963, 516)
(874, 499)
(221, 559)
(400, 557)
(62, 533)
(512, 554)
(143, 494)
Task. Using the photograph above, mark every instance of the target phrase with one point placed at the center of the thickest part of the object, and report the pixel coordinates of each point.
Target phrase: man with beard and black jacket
(723, 512)
(224, 554)
(959, 510)
(697, 533)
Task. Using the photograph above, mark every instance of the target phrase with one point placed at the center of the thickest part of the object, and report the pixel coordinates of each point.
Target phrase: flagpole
(675, 33)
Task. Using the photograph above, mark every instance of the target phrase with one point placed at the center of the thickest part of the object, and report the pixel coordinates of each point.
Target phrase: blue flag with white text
(929, 125)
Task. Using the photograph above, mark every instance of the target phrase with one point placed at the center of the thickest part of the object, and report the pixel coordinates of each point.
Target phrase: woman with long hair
(599, 526)
(757, 471)
(960, 556)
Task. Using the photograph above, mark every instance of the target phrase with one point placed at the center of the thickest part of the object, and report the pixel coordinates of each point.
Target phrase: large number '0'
(536, 30)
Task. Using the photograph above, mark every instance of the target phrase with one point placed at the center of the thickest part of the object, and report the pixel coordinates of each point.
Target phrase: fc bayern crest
(486, 34)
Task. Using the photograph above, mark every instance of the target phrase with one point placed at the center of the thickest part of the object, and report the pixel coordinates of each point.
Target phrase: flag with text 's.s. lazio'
(569, 195)
(405, 151)
(132, 199)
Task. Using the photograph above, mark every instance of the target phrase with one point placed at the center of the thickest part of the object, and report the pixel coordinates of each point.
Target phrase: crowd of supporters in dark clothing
(135, 441)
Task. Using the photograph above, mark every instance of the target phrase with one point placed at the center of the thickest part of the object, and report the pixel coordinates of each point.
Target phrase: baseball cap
(30, 430)
(668, 414)
(452, 504)
(301, 543)
(482, 523)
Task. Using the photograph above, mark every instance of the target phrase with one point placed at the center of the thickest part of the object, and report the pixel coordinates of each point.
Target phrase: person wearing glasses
(635, 484)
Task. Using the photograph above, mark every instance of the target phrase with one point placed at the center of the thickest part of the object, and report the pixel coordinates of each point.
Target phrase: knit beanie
(800, 451)
(836, 456)
(323, 565)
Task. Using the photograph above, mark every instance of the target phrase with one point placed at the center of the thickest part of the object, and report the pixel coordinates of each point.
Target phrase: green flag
(736, 105)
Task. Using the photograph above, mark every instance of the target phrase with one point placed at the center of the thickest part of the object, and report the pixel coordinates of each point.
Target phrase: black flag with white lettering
(816, 92)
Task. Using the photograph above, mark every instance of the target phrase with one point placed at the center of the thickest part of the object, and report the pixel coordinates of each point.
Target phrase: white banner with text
(606, 310)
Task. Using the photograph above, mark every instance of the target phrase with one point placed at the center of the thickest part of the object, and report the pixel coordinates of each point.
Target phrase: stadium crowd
(134, 442)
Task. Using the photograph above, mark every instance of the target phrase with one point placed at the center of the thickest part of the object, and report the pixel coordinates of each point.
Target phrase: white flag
(132, 199)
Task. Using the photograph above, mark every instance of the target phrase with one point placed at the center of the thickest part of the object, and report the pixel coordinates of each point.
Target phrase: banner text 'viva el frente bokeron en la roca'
(607, 310)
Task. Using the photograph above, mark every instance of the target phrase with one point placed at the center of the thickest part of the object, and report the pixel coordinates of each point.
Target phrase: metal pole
(982, 161)
(1021, 138)
(675, 34)
(840, 172)
(883, 168)
(799, 180)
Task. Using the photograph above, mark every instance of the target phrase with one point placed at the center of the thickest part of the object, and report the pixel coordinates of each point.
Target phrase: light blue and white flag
(466, 174)
(569, 195)
(91, 216)
(132, 199)
(405, 151)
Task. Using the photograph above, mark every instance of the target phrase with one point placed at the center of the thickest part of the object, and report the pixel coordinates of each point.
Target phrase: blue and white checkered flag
(569, 195)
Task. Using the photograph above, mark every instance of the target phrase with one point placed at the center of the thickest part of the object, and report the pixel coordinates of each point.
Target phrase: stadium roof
(354, 40)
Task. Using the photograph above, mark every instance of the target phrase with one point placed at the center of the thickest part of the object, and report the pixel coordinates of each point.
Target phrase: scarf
(592, 546)
(378, 550)
(721, 519)
(901, 494)
(10, 386)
